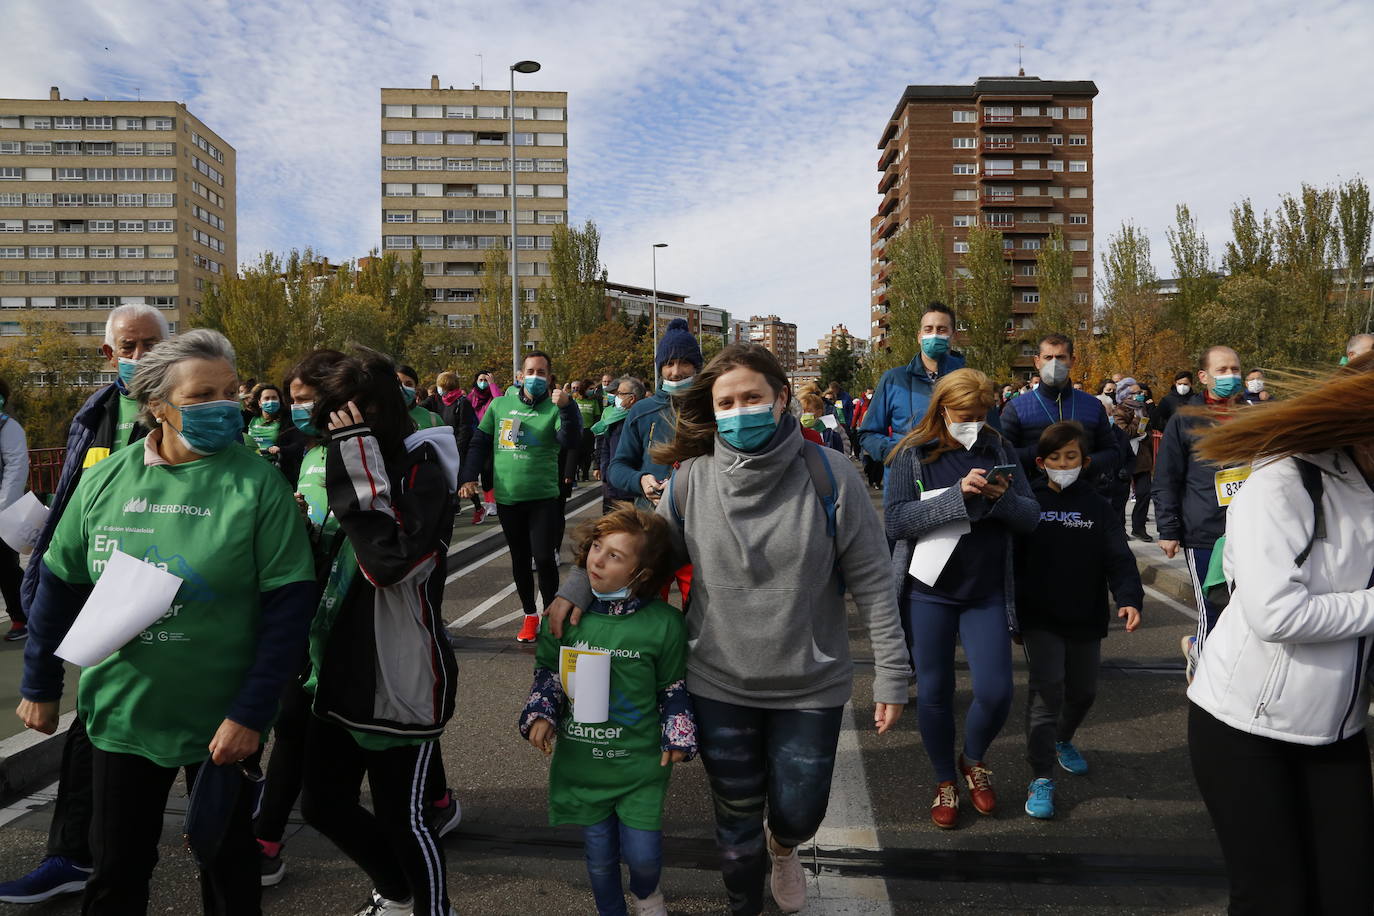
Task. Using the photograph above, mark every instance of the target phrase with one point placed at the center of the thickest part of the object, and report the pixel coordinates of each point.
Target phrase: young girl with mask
(611, 780)
(948, 459)
(1062, 574)
(769, 667)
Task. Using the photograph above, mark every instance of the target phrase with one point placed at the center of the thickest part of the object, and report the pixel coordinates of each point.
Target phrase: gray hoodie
(767, 625)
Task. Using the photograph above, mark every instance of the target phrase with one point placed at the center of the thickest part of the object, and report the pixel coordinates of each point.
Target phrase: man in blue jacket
(650, 421)
(904, 392)
(103, 425)
(1056, 400)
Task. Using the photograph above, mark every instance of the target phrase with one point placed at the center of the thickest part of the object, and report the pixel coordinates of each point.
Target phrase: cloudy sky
(741, 132)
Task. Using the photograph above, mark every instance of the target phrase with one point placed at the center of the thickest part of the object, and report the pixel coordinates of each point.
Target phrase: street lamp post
(523, 66)
(654, 250)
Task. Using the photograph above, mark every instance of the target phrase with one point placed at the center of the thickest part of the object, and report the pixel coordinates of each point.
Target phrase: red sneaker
(944, 811)
(530, 631)
(979, 781)
(477, 515)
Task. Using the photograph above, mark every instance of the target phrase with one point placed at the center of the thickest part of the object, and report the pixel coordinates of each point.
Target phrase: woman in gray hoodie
(776, 536)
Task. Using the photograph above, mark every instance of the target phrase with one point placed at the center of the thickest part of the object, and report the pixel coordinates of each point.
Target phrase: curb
(1165, 575)
(29, 759)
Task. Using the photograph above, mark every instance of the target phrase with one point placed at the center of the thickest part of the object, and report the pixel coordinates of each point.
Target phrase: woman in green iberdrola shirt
(268, 422)
(201, 683)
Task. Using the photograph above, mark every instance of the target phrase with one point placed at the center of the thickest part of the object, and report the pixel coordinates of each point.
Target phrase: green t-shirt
(591, 410)
(613, 767)
(525, 463)
(124, 426)
(425, 419)
(262, 433)
(229, 527)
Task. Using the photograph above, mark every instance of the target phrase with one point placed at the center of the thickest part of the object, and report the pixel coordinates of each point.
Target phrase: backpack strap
(823, 480)
(1311, 476)
(677, 490)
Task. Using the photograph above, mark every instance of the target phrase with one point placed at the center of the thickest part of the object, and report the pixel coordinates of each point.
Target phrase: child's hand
(674, 756)
(885, 715)
(541, 735)
(1132, 616)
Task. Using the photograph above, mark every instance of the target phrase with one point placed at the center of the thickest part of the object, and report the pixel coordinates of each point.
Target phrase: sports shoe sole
(272, 879)
(1039, 817)
(450, 824)
(71, 887)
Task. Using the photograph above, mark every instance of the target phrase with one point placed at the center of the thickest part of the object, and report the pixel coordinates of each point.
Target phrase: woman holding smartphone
(953, 468)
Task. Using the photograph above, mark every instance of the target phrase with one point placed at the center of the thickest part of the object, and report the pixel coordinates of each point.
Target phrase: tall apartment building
(109, 203)
(446, 187)
(778, 336)
(1013, 153)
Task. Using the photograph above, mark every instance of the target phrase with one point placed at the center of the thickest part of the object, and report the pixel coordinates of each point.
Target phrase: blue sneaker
(1069, 758)
(1040, 799)
(54, 876)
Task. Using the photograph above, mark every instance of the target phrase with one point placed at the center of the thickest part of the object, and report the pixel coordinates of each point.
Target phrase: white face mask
(1183, 389)
(1063, 478)
(1054, 372)
(1255, 385)
(966, 434)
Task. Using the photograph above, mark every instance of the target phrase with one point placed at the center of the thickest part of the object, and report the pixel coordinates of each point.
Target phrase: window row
(208, 240)
(205, 263)
(93, 225)
(207, 146)
(77, 199)
(205, 192)
(1007, 141)
(471, 138)
(1008, 220)
(546, 217)
(440, 164)
(522, 112)
(472, 190)
(1074, 112)
(86, 148)
(78, 302)
(78, 122)
(1009, 166)
(206, 216)
(1004, 193)
(16, 173)
(466, 242)
(111, 251)
(207, 170)
(476, 269)
(93, 276)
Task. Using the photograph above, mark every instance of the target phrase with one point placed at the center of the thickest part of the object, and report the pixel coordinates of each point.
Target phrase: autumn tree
(613, 345)
(840, 364)
(985, 303)
(50, 374)
(574, 302)
(492, 330)
(917, 276)
(1196, 275)
(1057, 312)
(1304, 247)
(1136, 336)
(1251, 249)
(1353, 212)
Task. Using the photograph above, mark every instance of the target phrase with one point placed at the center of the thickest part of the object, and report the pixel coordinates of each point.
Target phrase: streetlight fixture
(522, 66)
(654, 250)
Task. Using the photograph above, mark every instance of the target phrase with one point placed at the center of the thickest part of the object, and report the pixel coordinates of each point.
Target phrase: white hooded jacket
(1287, 658)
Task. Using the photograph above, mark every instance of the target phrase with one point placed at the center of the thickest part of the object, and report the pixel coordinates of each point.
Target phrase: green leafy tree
(1057, 312)
(1353, 210)
(492, 333)
(50, 374)
(1197, 277)
(985, 304)
(1305, 242)
(1132, 317)
(840, 365)
(1251, 249)
(574, 302)
(918, 276)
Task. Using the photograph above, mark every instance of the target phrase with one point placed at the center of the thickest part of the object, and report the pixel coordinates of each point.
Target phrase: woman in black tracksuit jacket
(383, 686)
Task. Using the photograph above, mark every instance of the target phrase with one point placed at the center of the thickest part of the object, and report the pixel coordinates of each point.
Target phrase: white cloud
(743, 134)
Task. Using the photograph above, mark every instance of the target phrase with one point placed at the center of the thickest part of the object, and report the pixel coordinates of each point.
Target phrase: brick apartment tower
(1013, 153)
(777, 336)
(109, 203)
(446, 188)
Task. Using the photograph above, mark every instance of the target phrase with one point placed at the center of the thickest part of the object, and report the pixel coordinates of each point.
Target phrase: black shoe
(17, 631)
(1142, 536)
(271, 868)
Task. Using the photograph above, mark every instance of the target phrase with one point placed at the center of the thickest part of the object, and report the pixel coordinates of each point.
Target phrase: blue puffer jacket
(1026, 417)
(650, 421)
(900, 401)
(81, 436)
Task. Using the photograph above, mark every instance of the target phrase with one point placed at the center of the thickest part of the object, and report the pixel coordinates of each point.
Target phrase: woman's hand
(995, 489)
(39, 715)
(673, 756)
(1132, 616)
(885, 715)
(561, 612)
(348, 415)
(541, 735)
(974, 482)
(233, 742)
(468, 490)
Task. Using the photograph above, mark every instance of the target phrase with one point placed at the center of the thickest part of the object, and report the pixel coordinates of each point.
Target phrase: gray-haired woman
(200, 684)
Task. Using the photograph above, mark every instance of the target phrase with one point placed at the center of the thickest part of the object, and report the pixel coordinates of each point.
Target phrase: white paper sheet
(592, 687)
(934, 548)
(129, 597)
(21, 521)
(829, 421)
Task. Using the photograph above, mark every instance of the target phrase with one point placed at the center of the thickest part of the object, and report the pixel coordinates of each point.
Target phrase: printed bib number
(509, 433)
(1229, 482)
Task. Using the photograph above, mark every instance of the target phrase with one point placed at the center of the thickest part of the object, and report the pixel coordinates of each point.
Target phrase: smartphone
(1002, 473)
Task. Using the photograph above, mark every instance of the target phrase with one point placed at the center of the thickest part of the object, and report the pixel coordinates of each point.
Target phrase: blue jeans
(982, 628)
(605, 844)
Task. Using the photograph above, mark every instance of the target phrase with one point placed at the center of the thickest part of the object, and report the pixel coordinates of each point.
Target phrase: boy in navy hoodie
(1063, 572)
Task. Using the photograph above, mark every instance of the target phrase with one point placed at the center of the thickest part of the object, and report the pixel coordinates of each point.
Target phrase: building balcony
(889, 178)
(1025, 282)
(889, 153)
(1019, 174)
(999, 119)
(1013, 200)
(1001, 146)
(889, 132)
(889, 202)
(1020, 254)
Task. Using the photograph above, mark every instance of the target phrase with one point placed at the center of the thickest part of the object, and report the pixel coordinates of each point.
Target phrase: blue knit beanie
(677, 343)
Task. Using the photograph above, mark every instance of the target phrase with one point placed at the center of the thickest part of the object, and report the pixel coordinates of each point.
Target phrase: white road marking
(502, 621)
(482, 608)
(1164, 599)
(24, 805)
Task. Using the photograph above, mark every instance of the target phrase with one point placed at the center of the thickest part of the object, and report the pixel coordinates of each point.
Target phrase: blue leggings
(605, 843)
(982, 628)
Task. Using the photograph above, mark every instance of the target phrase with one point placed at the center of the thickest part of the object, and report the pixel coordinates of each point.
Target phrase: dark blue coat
(1026, 417)
(899, 403)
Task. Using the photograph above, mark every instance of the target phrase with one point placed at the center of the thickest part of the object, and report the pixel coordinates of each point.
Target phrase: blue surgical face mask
(617, 595)
(210, 427)
(535, 386)
(935, 345)
(668, 387)
(127, 368)
(1224, 386)
(300, 415)
(270, 407)
(408, 392)
(747, 429)
(482, 385)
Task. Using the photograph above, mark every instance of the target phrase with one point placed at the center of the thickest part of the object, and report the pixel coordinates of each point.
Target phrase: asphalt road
(1129, 837)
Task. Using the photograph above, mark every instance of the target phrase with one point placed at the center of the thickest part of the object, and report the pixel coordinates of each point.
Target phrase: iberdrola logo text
(141, 504)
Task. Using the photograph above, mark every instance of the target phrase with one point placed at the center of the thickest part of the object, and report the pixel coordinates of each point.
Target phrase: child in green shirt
(611, 777)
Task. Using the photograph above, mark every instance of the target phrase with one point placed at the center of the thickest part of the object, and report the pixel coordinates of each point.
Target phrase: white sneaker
(380, 906)
(788, 879)
(557, 558)
(491, 510)
(651, 905)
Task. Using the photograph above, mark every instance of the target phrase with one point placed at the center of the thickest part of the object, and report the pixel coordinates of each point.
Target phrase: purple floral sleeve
(545, 702)
(679, 720)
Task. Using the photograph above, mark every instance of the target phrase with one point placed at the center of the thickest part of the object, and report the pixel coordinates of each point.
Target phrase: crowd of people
(309, 523)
